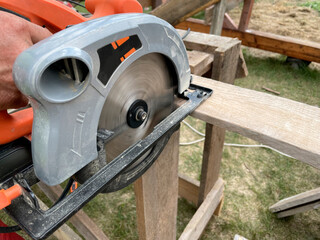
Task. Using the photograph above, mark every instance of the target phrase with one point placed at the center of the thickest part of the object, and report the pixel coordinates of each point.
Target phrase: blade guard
(66, 109)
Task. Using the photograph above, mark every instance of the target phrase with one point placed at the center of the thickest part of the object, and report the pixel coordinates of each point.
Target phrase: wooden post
(245, 15)
(157, 195)
(224, 69)
(219, 10)
(212, 155)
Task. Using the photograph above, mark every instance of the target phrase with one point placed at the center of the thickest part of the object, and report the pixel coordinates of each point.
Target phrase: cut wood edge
(199, 62)
(296, 200)
(204, 213)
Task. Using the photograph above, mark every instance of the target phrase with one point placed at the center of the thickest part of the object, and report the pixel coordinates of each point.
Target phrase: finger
(38, 33)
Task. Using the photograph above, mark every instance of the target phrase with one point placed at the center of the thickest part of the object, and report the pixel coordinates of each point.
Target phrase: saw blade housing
(73, 77)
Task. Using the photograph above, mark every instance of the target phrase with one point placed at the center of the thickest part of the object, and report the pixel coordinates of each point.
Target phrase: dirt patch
(286, 18)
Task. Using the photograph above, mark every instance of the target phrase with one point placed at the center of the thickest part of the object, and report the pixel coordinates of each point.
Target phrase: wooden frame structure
(280, 123)
(292, 47)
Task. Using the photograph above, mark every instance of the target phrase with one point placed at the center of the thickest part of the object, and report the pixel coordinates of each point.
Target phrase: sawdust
(283, 17)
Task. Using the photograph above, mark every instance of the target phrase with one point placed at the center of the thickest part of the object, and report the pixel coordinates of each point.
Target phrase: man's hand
(16, 35)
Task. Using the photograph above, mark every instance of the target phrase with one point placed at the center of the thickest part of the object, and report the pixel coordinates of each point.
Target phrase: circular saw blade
(147, 79)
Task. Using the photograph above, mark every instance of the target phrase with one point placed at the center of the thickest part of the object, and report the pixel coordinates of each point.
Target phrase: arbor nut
(141, 115)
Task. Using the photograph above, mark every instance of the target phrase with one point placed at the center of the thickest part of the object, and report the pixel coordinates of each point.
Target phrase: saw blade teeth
(147, 79)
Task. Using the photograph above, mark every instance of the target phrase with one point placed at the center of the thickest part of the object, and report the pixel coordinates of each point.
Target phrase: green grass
(312, 4)
(257, 178)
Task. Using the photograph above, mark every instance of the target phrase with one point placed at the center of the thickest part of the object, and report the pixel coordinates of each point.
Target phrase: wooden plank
(245, 15)
(303, 208)
(242, 70)
(289, 126)
(218, 17)
(199, 62)
(297, 48)
(64, 232)
(296, 200)
(204, 213)
(189, 188)
(176, 11)
(212, 155)
(227, 63)
(208, 43)
(228, 22)
(292, 47)
(80, 220)
(157, 195)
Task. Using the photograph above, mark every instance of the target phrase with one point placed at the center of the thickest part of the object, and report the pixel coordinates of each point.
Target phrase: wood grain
(157, 195)
(212, 155)
(189, 188)
(218, 17)
(199, 62)
(292, 47)
(228, 62)
(288, 126)
(296, 200)
(202, 216)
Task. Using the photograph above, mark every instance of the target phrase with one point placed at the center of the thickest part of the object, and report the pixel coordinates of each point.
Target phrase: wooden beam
(288, 126)
(228, 62)
(157, 195)
(80, 220)
(212, 155)
(208, 43)
(245, 15)
(219, 10)
(176, 11)
(189, 188)
(228, 22)
(199, 62)
(204, 213)
(296, 200)
(292, 47)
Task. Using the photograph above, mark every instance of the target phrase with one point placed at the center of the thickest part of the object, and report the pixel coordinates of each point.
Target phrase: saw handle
(15, 125)
(56, 16)
(6, 196)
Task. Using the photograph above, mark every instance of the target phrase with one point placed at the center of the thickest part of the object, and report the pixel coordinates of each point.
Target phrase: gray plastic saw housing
(67, 103)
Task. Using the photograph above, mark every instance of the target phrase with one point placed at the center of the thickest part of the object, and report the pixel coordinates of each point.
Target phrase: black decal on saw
(112, 55)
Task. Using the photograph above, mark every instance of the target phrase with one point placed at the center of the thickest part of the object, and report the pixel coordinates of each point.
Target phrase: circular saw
(102, 93)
